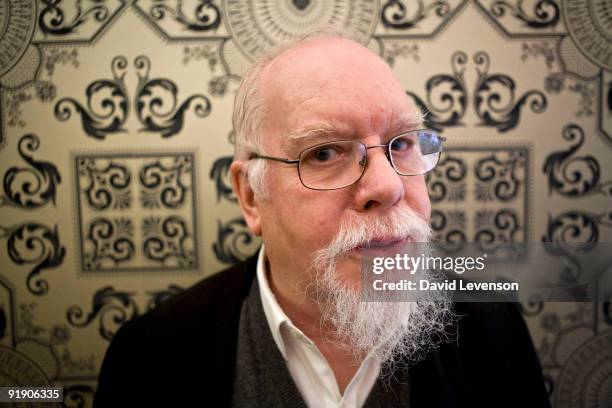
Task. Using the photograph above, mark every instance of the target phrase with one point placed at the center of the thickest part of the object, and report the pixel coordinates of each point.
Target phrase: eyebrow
(409, 121)
(312, 133)
(320, 131)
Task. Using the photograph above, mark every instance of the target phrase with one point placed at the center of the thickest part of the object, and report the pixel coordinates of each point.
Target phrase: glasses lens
(332, 165)
(415, 152)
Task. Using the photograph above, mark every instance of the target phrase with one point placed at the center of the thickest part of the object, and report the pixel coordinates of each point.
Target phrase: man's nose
(380, 187)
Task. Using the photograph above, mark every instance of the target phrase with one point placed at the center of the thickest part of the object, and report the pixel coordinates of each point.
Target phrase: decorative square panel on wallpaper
(137, 211)
(482, 194)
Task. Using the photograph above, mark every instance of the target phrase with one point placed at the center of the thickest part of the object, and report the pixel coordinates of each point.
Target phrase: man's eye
(330, 156)
(401, 144)
(324, 154)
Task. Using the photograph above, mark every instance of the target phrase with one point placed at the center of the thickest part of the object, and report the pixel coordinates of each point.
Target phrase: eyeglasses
(339, 164)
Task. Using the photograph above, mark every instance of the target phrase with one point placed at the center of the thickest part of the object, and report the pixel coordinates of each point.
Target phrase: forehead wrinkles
(348, 114)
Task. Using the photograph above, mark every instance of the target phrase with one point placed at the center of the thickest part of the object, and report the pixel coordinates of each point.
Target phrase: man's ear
(249, 205)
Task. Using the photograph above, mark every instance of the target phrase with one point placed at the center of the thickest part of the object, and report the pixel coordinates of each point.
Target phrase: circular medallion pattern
(19, 371)
(17, 21)
(257, 26)
(586, 379)
(590, 25)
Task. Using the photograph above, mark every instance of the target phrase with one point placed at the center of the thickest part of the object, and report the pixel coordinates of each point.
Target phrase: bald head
(325, 61)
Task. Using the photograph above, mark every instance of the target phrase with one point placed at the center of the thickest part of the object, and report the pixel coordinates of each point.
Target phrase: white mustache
(358, 231)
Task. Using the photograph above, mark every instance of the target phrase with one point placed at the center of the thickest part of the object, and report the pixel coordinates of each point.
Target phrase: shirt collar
(274, 314)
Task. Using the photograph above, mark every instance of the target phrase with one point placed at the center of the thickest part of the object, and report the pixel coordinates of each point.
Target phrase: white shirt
(309, 369)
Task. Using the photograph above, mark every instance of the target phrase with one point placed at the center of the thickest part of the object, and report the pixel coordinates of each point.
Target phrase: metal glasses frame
(364, 162)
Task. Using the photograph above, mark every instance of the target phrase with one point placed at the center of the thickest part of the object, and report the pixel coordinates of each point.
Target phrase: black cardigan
(184, 351)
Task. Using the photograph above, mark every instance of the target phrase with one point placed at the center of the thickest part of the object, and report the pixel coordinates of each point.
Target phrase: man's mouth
(384, 242)
(384, 246)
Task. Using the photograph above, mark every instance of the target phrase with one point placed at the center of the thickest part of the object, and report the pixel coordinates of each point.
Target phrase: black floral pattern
(544, 13)
(205, 16)
(571, 175)
(105, 183)
(110, 307)
(34, 244)
(34, 186)
(233, 241)
(405, 15)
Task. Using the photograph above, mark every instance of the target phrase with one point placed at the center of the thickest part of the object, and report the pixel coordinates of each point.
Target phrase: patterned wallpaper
(115, 142)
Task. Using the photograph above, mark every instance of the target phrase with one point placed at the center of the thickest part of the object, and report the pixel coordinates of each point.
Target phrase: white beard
(391, 331)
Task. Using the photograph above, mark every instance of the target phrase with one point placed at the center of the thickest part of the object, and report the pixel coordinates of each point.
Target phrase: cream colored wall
(63, 298)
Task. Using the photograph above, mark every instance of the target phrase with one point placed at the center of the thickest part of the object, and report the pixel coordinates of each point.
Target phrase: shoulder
(212, 302)
(211, 299)
(188, 340)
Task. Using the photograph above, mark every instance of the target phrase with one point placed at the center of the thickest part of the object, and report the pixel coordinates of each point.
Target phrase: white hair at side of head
(249, 107)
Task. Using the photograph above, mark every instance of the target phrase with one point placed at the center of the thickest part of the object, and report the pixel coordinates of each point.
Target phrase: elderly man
(330, 162)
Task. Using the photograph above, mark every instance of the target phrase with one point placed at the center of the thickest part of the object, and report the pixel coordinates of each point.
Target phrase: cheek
(417, 196)
(322, 212)
(310, 218)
